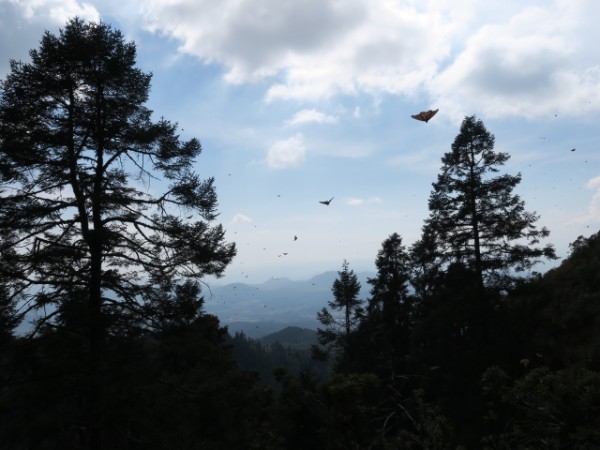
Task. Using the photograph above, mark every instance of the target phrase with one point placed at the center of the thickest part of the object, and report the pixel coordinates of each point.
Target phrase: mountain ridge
(261, 309)
(291, 336)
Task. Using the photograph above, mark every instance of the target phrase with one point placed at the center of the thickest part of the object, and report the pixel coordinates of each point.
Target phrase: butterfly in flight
(425, 116)
(326, 202)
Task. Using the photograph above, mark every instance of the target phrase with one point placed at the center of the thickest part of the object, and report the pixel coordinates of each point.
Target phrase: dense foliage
(341, 319)
(87, 247)
(453, 349)
(475, 218)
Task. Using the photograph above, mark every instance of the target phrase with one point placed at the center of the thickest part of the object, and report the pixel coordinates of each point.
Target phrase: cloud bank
(513, 59)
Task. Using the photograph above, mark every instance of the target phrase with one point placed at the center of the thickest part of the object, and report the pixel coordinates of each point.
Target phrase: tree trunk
(475, 225)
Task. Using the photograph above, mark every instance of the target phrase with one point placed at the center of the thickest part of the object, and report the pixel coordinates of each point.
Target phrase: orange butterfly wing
(425, 116)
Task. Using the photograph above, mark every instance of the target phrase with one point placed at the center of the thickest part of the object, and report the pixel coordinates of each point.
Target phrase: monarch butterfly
(425, 116)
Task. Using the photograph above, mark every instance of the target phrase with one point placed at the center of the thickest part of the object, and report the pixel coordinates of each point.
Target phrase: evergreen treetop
(476, 218)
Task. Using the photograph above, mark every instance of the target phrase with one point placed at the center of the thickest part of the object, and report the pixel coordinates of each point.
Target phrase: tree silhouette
(335, 335)
(475, 217)
(477, 237)
(81, 163)
(9, 294)
(390, 311)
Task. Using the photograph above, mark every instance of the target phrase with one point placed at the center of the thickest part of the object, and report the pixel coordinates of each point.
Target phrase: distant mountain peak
(279, 301)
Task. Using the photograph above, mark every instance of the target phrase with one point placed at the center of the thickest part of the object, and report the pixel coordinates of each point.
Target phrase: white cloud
(393, 50)
(492, 58)
(593, 210)
(22, 24)
(316, 47)
(253, 38)
(59, 11)
(594, 183)
(241, 218)
(496, 58)
(531, 65)
(286, 153)
(311, 115)
(353, 201)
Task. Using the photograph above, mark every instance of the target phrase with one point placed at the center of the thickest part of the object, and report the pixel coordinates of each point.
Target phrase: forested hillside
(458, 345)
(288, 349)
(292, 336)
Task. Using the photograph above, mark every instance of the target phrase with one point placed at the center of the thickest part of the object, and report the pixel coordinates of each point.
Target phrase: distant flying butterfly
(326, 202)
(425, 116)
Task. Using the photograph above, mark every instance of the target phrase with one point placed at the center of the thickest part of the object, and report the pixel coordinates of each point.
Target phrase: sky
(299, 101)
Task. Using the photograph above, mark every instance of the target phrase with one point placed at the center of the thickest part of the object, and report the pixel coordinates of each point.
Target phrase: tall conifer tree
(390, 310)
(81, 162)
(476, 218)
(336, 331)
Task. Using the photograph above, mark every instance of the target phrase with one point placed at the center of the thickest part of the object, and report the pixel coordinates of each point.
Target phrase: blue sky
(299, 101)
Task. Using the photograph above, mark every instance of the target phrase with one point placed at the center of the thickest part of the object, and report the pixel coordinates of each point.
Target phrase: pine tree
(9, 295)
(335, 335)
(478, 236)
(80, 161)
(390, 310)
(475, 217)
